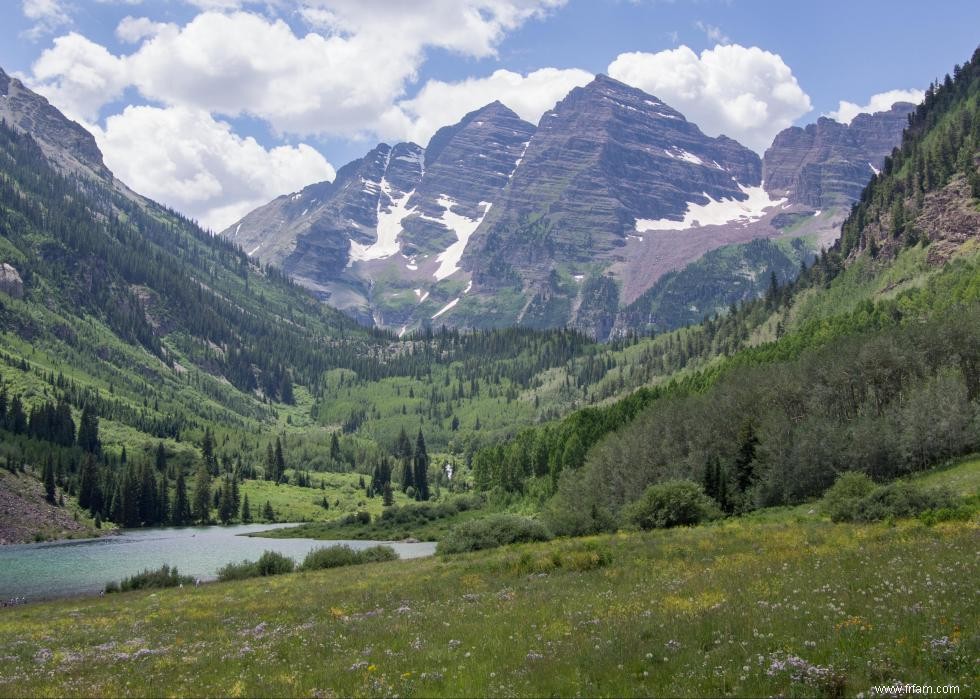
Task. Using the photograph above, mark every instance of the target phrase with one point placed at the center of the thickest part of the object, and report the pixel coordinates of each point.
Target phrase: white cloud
(47, 15)
(439, 103)
(184, 158)
(133, 30)
(79, 76)
(745, 93)
(882, 102)
(713, 33)
(335, 81)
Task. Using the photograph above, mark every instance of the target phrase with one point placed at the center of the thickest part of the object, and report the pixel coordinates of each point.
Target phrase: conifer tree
(161, 458)
(88, 431)
(267, 512)
(49, 487)
(202, 494)
(246, 511)
(181, 514)
(226, 506)
(388, 497)
(280, 463)
(420, 475)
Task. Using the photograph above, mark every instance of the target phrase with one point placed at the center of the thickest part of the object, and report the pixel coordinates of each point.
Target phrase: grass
(962, 477)
(789, 606)
(433, 521)
(292, 503)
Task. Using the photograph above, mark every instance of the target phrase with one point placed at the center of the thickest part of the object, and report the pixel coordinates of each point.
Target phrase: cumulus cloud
(333, 81)
(79, 76)
(745, 93)
(133, 30)
(186, 159)
(439, 103)
(47, 15)
(882, 102)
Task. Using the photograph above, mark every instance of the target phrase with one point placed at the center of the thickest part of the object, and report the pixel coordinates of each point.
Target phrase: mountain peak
(63, 141)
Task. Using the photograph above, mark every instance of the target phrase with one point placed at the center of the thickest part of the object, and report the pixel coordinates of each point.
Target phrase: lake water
(84, 566)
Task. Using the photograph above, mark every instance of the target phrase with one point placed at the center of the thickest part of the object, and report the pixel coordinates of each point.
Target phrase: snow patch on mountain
(448, 307)
(716, 212)
(463, 227)
(388, 230)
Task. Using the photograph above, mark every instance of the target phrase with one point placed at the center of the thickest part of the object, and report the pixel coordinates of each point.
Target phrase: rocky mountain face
(498, 222)
(65, 143)
(393, 223)
(606, 164)
(827, 164)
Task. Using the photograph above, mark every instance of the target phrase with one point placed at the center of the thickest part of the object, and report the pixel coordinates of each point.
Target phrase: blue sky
(215, 106)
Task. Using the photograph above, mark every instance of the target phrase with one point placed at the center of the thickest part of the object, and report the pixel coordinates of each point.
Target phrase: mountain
(401, 214)
(827, 164)
(65, 143)
(497, 222)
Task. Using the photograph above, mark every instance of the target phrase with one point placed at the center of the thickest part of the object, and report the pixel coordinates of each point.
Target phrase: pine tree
(408, 479)
(420, 475)
(202, 494)
(267, 512)
(207, 452)
(280, 463)
(388, 497)
(334, 447)
(88, 431)
(246, 511)
(270, 462)
(181, 512)
(49, 488)
(161, 458)
(226, 506)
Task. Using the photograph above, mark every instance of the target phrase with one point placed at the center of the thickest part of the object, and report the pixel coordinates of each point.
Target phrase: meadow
(780, 603)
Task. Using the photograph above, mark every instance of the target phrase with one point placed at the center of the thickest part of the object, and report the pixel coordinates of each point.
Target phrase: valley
(602, 405)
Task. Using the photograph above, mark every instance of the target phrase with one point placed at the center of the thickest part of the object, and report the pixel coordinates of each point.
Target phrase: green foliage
(165, 576)
(342, 555)
(493, 531)
(892, 501)
(840, 500)
(269, 563)
(671, 504)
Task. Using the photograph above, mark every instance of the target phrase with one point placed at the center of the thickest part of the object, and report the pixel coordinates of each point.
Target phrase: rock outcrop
(64, 142)
(827, 164)
(10, 281)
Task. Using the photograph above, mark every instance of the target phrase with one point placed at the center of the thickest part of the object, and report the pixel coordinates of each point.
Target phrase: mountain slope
(870, 361)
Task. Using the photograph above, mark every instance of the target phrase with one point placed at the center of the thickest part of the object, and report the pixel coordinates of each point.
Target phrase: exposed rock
(828, 163)
(10, 281)
(64, 142)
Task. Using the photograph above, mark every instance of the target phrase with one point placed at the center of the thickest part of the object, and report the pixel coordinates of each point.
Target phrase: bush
(854, 498)
(343, 555)
(491, 532)
(274, 563)
(238, 571)
(269, 563)
(671, 504)
(841, 499)
(165, 576)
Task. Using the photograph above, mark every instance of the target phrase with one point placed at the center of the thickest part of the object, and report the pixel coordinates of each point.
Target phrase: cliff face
(64, 142)
(827, 164)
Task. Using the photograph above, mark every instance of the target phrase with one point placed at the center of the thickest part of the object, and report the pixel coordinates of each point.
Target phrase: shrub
(491, 532)
(841, 498)
(343, 555)
(238, 571)
(900, 500)
(854, 498)
(269, 563)
(274, 563)
(671, 504)
(165, 576)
